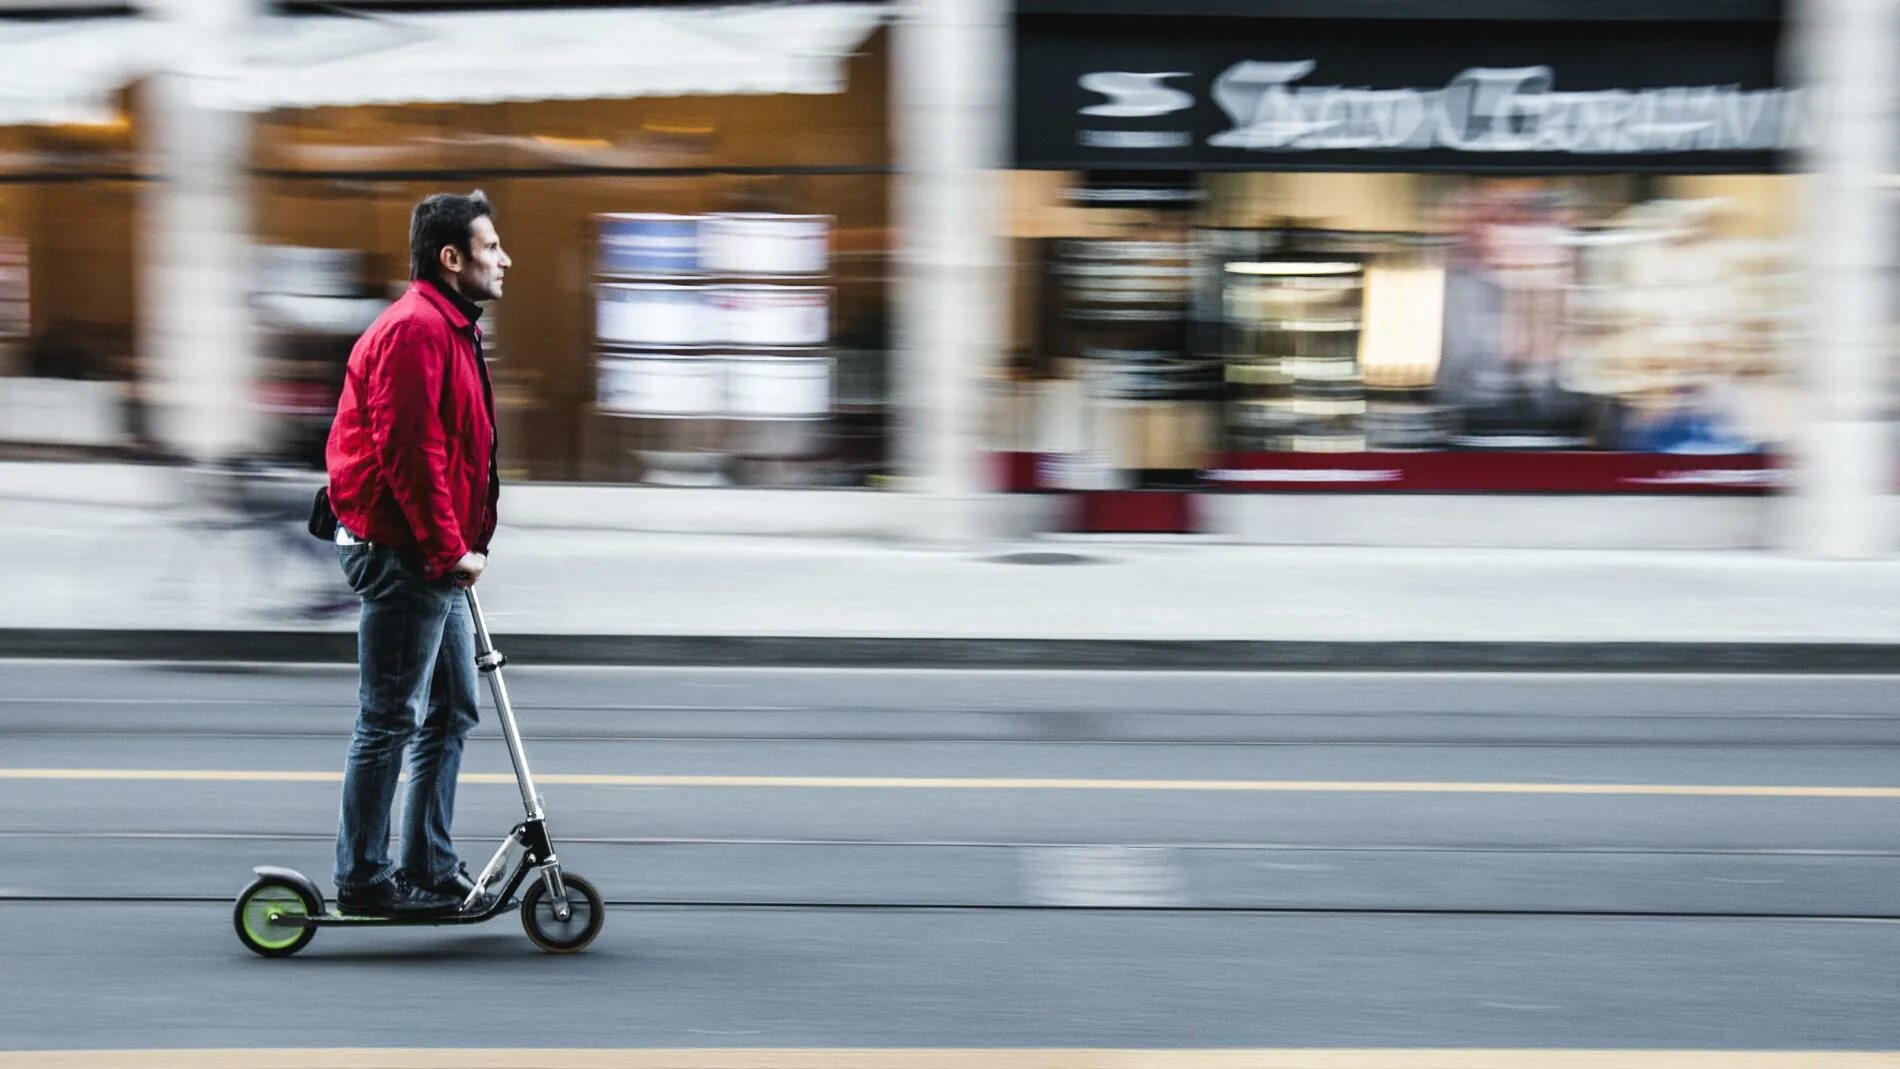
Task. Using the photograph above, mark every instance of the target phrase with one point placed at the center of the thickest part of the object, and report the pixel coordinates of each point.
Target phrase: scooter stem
(489, 660)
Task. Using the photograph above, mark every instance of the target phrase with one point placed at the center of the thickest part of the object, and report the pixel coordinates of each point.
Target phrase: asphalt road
(962, 859)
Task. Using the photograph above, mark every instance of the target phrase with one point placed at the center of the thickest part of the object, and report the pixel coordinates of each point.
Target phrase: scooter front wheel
(259, 915)
(586, 913)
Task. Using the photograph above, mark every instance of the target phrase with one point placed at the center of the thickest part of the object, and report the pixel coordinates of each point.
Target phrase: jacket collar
(460, 312)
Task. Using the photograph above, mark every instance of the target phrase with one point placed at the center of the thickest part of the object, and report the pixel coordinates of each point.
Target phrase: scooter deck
(430, 920)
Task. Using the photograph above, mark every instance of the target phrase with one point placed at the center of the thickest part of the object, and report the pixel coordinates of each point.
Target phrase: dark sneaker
(395, 897)
(457, 885)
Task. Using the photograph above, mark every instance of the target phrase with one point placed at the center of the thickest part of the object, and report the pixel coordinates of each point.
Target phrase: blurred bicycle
(247, 517)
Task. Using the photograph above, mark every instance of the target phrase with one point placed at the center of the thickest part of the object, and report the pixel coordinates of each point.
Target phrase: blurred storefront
(696, 198)
(696, 201)
(1454, 248)
(71, 179)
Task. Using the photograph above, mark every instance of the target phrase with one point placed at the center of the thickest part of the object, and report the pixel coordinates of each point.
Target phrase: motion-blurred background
(1262, 272)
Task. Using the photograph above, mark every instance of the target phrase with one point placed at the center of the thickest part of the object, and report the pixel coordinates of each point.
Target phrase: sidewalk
(93, 580)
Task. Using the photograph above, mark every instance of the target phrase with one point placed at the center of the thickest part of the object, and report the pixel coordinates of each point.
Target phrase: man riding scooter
(413, 482)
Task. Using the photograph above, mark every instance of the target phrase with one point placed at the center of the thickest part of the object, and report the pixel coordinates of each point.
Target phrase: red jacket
(411, 454)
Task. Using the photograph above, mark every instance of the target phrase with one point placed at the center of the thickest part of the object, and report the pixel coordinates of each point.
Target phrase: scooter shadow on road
(450, 953)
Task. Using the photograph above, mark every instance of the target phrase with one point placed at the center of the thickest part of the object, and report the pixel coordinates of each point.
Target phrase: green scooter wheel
(259, 912)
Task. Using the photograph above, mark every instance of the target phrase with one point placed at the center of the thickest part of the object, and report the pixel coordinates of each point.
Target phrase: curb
(720, 651)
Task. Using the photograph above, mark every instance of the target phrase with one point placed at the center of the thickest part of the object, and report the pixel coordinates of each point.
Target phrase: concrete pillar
(951, 112)
(194, 248)
(1846, 56)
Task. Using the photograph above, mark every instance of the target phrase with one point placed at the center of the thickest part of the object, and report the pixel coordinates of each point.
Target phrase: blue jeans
(415, 653)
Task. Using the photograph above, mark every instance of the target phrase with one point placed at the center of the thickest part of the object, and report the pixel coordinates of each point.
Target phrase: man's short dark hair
(439, 220)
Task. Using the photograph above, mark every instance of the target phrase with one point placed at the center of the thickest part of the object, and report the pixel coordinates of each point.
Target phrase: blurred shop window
(700, 289)
(16, 316)
(71, 383)
(1681, 331)
(1282, 314)
(67, 391)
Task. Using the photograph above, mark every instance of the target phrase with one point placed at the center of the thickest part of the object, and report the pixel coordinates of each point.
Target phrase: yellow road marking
(862, 1058)
(928, 783)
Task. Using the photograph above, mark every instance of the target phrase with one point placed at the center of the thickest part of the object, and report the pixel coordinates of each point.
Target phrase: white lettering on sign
(1304, 475)
(1136, 138)
(1715, 477)
(1497, 109)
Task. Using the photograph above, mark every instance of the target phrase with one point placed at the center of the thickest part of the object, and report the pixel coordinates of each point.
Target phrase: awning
(59, 71)
(572, 54)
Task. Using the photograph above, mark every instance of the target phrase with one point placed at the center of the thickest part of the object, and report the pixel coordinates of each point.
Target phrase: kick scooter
(280, 912)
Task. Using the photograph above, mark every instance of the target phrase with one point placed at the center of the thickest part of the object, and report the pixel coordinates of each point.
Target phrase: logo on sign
(1135, 95)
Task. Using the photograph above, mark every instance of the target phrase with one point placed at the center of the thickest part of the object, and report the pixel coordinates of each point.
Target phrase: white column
(194, 245)
(1843, 53)
(951, 107)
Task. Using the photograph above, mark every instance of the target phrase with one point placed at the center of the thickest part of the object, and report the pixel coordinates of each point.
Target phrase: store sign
(1492, 109)
(1384, 96)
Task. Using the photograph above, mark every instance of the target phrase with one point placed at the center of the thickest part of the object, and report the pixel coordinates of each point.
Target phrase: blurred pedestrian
(413, 482)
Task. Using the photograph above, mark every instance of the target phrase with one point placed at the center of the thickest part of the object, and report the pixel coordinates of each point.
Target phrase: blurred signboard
(1396, 94)
(1420, 10)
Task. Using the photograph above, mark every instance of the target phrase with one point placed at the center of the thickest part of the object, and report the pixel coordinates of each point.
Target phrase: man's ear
(449, 258)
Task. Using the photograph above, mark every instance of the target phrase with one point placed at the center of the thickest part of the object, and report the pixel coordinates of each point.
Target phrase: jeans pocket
(358, 563)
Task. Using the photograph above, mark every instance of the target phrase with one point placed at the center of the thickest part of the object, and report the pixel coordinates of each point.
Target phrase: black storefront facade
(1386, 247)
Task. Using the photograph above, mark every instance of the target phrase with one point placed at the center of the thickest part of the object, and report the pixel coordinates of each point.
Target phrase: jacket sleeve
(405, 420)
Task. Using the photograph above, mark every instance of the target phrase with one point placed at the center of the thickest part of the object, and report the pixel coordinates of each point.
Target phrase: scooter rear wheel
(586, 913)
(257, 912)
